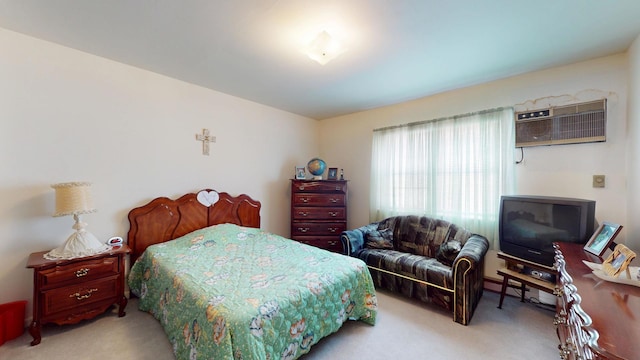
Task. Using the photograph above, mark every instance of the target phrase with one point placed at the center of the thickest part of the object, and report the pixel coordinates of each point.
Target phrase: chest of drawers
(68, 291)
(319, 212)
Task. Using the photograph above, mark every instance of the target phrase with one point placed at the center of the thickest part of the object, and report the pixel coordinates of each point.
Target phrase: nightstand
(68, 291)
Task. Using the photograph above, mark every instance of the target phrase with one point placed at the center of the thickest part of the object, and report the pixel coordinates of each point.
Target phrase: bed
(224, 289)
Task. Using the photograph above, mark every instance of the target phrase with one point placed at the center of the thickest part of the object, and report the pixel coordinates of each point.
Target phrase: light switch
(598, 181)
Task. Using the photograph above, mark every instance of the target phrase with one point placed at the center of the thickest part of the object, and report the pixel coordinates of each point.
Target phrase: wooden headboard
(164, 219)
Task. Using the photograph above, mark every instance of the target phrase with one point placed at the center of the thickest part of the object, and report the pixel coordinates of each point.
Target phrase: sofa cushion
(423, 235)
(379, 239)
(448, 252)
(414, 266)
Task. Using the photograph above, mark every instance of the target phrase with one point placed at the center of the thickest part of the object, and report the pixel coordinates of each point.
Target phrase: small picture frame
(301, 173)
(332, 174)
(618, 261)
(601, 239)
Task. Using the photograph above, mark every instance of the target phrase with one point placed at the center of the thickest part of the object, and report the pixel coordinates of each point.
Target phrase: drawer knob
(303, 213)
(85, 296)
(333, 213)
(301, 188)
(82, 272)
(332, 230)
(304, 230)
(333, 200)
(304, 200)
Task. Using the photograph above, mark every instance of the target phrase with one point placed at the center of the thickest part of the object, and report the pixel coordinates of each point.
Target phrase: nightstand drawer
(80, 271)
(73, 296)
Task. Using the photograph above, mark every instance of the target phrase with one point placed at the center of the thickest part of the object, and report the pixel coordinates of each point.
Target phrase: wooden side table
(68, 291)
(513, 271)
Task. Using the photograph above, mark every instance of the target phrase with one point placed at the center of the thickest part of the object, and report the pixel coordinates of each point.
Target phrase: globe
(316, 167)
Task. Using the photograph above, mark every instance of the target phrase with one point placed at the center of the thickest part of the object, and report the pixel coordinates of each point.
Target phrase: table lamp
(74, 198)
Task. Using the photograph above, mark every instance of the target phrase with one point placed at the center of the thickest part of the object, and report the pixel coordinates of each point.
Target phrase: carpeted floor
(405, 330)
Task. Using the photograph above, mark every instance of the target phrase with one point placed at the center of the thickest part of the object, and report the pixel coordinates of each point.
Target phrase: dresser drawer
(72, 296)
(320, 186)
(79, 271)
(317, 228)
(319, 213)
(313, 199)
(331, 243)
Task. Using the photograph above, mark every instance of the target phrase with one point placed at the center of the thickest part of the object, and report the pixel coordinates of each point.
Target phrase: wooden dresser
(68, 291)
(595, 319)
(319, 212)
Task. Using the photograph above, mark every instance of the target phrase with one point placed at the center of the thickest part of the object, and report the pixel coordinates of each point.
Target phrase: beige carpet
(405, 330)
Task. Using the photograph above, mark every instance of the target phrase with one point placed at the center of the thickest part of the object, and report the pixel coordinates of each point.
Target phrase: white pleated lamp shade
(73, 198)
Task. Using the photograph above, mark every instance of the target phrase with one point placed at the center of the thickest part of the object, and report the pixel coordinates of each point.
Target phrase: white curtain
(454, 169)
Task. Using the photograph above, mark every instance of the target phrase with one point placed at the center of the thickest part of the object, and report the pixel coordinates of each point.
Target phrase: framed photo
(301, 173)
(618, 261)
(332, 174)
(601, 239)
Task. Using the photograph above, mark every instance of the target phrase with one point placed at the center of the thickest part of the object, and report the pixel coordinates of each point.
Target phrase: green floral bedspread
(230, 292)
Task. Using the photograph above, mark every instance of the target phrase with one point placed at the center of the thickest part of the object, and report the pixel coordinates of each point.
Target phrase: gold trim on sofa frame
(453, 308)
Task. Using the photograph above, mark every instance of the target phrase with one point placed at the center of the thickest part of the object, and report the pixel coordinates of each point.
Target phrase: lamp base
(81, 243)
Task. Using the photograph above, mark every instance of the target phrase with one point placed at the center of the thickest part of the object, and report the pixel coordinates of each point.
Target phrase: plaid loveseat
(429, 259)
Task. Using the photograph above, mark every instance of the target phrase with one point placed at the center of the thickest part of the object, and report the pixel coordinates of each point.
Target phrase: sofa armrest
(468, 277)
(352, 241)
(474, 250)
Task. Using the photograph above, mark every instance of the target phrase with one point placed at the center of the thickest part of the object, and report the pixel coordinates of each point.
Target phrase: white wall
(633, 138)
(563, 170)
(69, 116)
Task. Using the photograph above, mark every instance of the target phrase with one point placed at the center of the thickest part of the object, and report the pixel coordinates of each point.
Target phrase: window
(454, 169)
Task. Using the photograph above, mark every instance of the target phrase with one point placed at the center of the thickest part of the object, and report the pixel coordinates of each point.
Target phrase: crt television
(529, 225)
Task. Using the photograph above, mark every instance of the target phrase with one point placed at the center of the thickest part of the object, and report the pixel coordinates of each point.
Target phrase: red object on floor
(11, 320)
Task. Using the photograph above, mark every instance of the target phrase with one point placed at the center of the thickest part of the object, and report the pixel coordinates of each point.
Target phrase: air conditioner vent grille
(534, 131)
(580, 126)
(572, 124)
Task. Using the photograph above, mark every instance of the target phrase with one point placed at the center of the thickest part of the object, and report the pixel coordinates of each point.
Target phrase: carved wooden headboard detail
(164, 219)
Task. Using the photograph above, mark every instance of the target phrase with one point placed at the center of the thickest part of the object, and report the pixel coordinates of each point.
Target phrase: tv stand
(527, 273)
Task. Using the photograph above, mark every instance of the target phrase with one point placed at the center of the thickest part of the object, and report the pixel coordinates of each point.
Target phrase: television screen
(529, 225)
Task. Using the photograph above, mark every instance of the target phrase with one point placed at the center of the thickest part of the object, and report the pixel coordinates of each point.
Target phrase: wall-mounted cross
(206, 139)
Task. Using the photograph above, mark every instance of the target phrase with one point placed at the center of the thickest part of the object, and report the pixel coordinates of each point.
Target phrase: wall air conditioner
(571, 124)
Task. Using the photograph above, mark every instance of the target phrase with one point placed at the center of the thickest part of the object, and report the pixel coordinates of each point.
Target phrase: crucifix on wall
(206, 139)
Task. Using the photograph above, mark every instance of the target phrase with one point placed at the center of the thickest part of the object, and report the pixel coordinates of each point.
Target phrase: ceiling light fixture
(325, 48)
